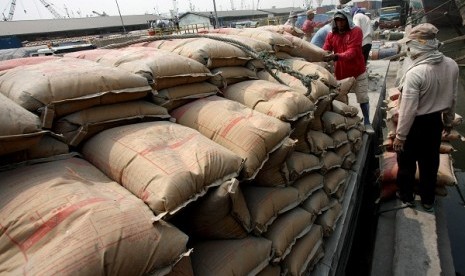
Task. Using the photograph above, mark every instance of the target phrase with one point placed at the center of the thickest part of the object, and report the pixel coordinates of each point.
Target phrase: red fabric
(309, 26)
(348, 47)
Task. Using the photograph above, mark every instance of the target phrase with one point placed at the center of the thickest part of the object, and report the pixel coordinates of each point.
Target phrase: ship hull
(441, 13)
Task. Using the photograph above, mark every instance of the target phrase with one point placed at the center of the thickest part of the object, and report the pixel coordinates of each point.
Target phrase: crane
(11, 11)
(51, 9)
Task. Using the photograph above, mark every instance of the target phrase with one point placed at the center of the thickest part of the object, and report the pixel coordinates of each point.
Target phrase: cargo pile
(223, 154)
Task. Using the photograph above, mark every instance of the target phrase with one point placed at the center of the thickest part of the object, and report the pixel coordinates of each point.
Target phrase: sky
(35, 9)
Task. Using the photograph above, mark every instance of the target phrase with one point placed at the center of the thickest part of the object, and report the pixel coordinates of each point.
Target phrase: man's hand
(329, 57)
(398, 145)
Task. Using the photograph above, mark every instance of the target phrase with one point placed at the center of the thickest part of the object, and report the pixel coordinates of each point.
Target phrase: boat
(437, 12)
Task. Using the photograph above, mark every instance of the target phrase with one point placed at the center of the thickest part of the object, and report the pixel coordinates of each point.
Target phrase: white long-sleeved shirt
(428, 88)
(364, 23)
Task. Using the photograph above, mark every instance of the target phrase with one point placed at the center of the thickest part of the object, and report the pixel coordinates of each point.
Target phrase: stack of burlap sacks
(181, 157)
(388, 159)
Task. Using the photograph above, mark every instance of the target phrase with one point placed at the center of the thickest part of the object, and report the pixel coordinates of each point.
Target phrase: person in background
(212, 20)
(364, 22)
(344, 46)
(426, 110)
(319, 37)
(292, 19)
(309, 25)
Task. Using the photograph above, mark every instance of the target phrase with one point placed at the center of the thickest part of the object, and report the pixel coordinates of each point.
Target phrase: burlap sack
(304, 49)
(68, 218)
(313, 69)
(340, 193)
(285, 231)
(317, 203)
(334, 179)
(339, 138)
(305, 254)
(344, 109)
(221, 214)
(277, 41)
(79, 126)
(329, 161)
(308, 184)
(94, 54)
(349, 161)
(246, 256)
(250, 134)
(224, 76)
(333, 121)
(164, 164)
(19, 128)
(343, 150)
(319, 142)
(282, 29)
(254, 44)
(265, 204)
(328, 220)
(208, 51)
(13, 63)
(59, 87)
(300, 163)
(272, 99)
(274, 172)
(176, 96)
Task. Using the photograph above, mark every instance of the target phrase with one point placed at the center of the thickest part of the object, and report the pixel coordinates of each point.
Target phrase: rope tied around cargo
(269, 60)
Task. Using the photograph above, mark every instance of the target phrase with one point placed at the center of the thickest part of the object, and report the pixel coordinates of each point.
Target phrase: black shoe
(407, 202)
(428, 207)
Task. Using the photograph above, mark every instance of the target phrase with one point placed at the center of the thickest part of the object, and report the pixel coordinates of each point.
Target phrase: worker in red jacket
(344, 46)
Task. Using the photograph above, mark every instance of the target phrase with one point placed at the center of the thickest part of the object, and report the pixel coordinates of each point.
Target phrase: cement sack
(319, 142)
(321, 107)
(13, 63)
(283, 29)
(274, 172)
(329, 161)
(265, 204)
(349, 161)
(270, 270)
(328, 220)
(300, 164)
(254, 44)
(354, 122)
(339, 138)
(164, 164)
(19, 128)
(458, 120)
(249, 134)
(246, 256)
(208, 51)
(312, 69)
(333, 121)
(300, 128)
(60, 87)
(225, 76)
(340, 193)
(47, 146)
(357, 146)
(344, 109)
(80, 126)
(285, 231)
(308, 184)
(176, 96)
(317, 203)
(354, 135)
(343, 88)
(221, 214)
(227, 31)
(94, 54)
(68, 218)
(446, 147)
(343, 150)
(277, 41)
(304, 49)
(183, 268)
(307, 252)
(272, 99)
(454, 135)
(162, 69)
(334, 179)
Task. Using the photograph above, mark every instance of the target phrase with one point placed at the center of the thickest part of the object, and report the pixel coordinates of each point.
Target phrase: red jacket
(348, 47)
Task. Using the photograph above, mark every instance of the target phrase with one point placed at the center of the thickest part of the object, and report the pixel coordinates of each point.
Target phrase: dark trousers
(422, 146)
(366, 51)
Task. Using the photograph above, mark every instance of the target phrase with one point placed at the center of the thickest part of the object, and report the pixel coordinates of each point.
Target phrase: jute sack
(66, 217)
(305, 49)
(307, 252)
(354, 135)
(319, 142)
(300, 129)
(343, 150)
(285, 231)
(321, 107)
(446, 147)
(308, 184)
(349, 161)
(333, 121)
(340, 193)
(254, 44)
(265, 204)
(176, 96)
(328, 220)
(19, 128)
(329, 161)
(250, 134)
(339, 138)
(300, 163)
(63, 86)
(221, 214)
(13, 63)
(282, 29)
(343, 88)
(312, 69)
(354, 122)
(458, 120)
(454, 135)
(161, 68)
(79, 126)
(277, 41)
(344, 109)
(224, 76)
(246, 256)
(318, 202)
(164, 164)
(276, 100)
(274, 172)
(210, 52)
(46, 147)
(334, 179)
(94, 54)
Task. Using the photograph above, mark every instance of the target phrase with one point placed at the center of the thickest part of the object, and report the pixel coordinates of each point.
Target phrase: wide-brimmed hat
(310, 11)
(424, 31)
